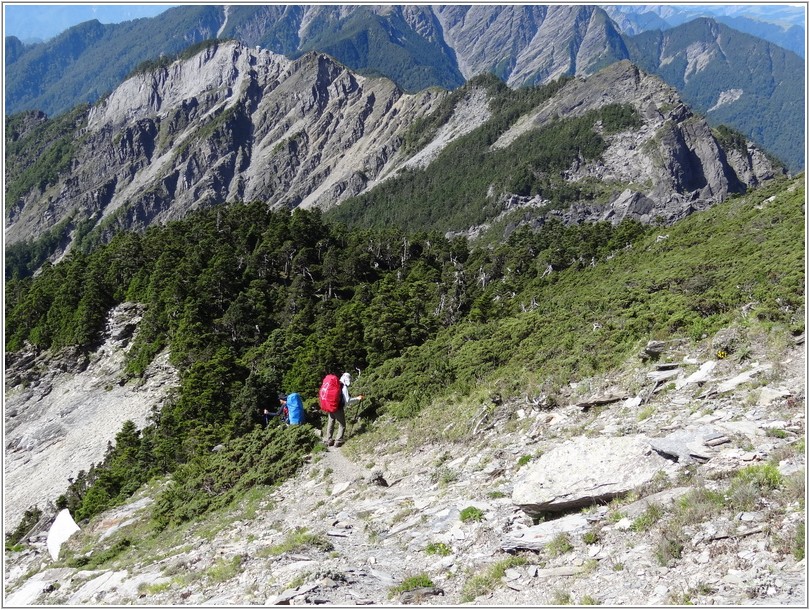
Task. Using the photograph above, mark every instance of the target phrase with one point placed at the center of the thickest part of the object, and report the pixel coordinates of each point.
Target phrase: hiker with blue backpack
(291, 409)
(334, 398)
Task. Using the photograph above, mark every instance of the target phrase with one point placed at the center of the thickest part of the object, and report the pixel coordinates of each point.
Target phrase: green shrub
(411, 582)
(153, 589)
(669, 547)
(559, 545)
(483, 583)
(438, 548)
(647, 519)
(30, 518)
(444, 476)
(750, 484)
(300, 539)
(471, 513)
(100, 557)
(699, 505)
(224, 569)
(266, 456)
(561, 598)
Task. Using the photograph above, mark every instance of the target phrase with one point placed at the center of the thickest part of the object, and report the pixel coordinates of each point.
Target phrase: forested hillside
(251, 302)
(455, 190)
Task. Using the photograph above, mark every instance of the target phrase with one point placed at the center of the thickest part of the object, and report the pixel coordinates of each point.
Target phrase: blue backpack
(295, 408)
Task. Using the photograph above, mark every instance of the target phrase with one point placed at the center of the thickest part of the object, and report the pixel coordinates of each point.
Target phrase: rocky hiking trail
(358, 522)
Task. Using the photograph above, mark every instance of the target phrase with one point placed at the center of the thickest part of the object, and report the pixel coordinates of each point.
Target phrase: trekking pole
(356, 414)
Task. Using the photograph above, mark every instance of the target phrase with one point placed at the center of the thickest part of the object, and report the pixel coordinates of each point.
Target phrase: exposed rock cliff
(531, 44)
(737, 79)
(669, 167)
(62, 409)
(239, 124)
(230, 123)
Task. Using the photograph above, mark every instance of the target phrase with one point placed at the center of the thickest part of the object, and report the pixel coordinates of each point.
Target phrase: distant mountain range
(781, 24)
(746, 82)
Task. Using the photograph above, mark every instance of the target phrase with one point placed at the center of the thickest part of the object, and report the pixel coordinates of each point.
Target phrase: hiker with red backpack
(334, 397)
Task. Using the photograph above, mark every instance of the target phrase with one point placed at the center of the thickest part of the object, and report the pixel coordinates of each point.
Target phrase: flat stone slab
(535, 538)
(585, 471)
(691, 444)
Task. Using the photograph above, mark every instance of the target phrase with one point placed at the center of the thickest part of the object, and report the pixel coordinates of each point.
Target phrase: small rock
(420, 595)
(457, 534)
(385, 578)
(511, 574)
(376, 478)
(340, 488)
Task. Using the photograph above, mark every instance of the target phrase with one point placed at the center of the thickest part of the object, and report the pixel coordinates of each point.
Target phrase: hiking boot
(330, 442)
(338, 443)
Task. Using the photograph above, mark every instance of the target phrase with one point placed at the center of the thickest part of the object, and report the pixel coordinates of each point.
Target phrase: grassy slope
(693, 280)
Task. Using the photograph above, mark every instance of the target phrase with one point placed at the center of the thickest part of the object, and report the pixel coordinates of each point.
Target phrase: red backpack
(329, 394)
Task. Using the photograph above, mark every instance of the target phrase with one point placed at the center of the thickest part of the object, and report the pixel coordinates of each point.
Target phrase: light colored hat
(346, 379)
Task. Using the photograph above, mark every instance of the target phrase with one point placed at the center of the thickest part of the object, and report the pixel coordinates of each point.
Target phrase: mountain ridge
(231, 123)
(519, 44)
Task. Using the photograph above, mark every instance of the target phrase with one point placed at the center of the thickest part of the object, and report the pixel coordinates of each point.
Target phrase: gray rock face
(585, 471)
(530, 44)
(53, 400)
(538, 536)
(670, 167)
(239, 124)
(690, 445)
(230, 123)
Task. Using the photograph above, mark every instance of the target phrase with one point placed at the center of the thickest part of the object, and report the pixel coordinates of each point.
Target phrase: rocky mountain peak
(507, 40)
(233, 123)
(219, 73)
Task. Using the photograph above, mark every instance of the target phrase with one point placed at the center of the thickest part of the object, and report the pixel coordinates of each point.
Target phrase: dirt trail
(343, 469)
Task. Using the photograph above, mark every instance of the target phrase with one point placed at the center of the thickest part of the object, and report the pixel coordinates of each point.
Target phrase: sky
(43, 21)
